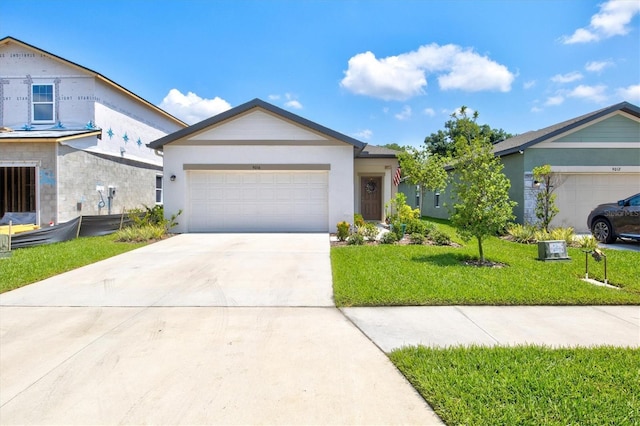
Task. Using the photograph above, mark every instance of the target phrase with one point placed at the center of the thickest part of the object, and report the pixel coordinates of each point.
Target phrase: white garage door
(258, 201)
(578, 194)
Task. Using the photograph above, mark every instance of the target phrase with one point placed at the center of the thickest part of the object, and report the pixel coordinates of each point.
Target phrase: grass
(526, 385)
(28, 265)
(435, 275)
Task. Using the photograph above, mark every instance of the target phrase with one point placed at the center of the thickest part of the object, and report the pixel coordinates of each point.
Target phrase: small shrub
(429, 227)
(566, 234)
(397, 209)
(369, 231)
(416, 226)
(388, 238)
(587, 242)
(562, 234)
(406, 214)
(417, 238)
(343, 230)
(396, 228)
(358, 220)
(541, 235)
(440, 238)
(522, 233)
(153, 216)
(142, 233)
(355, 239)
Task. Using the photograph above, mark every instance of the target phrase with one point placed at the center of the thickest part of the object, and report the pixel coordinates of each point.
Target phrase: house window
(17, 189)
(158, 189)
(42, 100)
(436, 200)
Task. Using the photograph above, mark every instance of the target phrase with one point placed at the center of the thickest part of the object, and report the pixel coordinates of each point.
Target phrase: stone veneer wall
(530, 194)
(80, 173)
(42, 156)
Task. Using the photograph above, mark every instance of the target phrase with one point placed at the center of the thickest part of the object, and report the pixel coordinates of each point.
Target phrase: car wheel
(602, 231)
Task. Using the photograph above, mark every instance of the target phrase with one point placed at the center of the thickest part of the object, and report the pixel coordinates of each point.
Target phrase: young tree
(424, 170)
(546, 208)
(443, 141)
(480, 189)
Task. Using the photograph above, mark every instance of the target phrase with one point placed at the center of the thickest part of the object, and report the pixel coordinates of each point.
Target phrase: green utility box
(552, 250)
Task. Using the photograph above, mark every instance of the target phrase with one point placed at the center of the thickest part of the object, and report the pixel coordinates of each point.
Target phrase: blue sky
(379, 71)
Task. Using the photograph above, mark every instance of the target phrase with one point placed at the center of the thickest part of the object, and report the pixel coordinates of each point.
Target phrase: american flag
(396, 177)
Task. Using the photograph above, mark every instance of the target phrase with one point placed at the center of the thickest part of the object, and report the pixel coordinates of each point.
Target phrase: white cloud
(613, 19)
(597, 66)
(554, 100)
(364, 134)
(293, 104)
(404, 76)
(566, 78)
(429, 111)
(405, 114)
(630, 93)
(290, 100)
(529, 84)
(536, 109)
(591, 93)
(191, 108)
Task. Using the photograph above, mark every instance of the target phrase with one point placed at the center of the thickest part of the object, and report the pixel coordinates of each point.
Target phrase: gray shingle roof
(374, 151)
(525, 140)
(240, 109)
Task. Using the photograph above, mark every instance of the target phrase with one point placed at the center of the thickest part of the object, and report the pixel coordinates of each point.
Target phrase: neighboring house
(259, 168)
(68, 135)
(595, 159)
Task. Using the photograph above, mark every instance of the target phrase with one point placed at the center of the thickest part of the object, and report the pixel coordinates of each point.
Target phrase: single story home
(595, 158)
(259, 168)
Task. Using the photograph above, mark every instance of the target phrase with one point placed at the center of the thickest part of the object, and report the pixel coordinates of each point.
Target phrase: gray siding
(581, 157)
(514, 171)
(614, 129)
(445, 202)
(411, 193)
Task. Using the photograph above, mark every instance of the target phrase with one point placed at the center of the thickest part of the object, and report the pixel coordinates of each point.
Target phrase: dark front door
(371, 198)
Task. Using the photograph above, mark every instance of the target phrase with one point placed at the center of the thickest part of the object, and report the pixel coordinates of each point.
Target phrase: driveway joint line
(459, 309)
(600, 309)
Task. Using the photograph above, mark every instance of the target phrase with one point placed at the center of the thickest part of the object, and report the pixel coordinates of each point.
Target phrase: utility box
(552, 250)
(4, 246)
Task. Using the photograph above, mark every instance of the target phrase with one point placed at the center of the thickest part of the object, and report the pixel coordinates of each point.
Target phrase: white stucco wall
(339, 157)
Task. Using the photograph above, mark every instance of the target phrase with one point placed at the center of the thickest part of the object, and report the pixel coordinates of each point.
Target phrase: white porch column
(387, 184)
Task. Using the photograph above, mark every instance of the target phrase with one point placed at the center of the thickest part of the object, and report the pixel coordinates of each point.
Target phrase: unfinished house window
(158, 189)
(42, 100)
(17, 189)
(436, 200)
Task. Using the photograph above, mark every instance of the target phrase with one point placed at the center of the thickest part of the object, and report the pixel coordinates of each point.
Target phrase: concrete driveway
(196, 329)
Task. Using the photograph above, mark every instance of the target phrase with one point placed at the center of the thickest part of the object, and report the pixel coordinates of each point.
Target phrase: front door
(371, 198)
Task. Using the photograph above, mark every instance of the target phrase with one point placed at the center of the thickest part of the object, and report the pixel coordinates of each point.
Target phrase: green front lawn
(28, 265)
(436, 275)
(526, 385)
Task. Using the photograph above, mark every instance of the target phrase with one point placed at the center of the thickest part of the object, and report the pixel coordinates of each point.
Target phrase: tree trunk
(480, 249)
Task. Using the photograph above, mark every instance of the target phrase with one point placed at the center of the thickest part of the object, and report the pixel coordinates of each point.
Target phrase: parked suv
(610, 221)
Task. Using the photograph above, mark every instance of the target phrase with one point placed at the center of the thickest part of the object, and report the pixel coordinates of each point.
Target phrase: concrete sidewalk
(441, 326)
